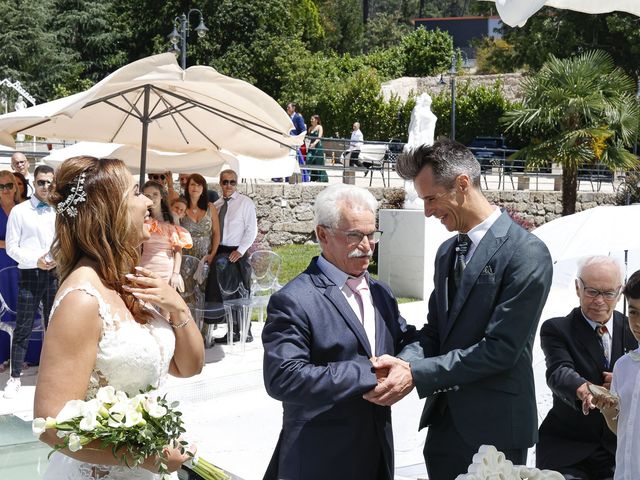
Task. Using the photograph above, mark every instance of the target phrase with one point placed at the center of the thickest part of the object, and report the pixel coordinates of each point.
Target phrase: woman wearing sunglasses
(8, 278)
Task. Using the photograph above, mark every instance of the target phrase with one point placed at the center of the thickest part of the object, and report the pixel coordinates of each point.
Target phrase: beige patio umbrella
(208, 163)
(517, 12)
(153, 103)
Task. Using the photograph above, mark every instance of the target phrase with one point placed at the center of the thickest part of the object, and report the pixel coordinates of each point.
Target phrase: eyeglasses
(6, 186)
(594, 293)
(354, 237)
(228, 182)
(153, 176)
(44, 183)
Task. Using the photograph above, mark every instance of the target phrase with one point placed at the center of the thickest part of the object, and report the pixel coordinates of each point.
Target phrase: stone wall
(285, 212)
(403, 86)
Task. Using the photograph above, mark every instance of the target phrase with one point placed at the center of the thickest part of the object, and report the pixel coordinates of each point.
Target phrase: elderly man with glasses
(323, 330)
(30, 233)
(581, 349)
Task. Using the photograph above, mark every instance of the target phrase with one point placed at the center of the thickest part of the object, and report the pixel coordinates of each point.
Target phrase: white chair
(265, 268)
(490, 464)
(372, 156)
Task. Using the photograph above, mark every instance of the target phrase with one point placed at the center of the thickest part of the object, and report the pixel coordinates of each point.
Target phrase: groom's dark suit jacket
(573, 356)
(476, 352)
(316, 361)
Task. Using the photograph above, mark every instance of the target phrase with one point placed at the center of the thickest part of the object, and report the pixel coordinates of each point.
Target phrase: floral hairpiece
(76, 195)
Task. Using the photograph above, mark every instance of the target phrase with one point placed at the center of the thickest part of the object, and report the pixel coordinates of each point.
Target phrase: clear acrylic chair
(265, 268)
(236, 301)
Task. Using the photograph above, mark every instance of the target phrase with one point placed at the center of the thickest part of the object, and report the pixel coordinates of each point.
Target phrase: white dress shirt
(30, 232)
(240, 222)
(357, 140)
(477, 233)
(340, 278)
(626, 385)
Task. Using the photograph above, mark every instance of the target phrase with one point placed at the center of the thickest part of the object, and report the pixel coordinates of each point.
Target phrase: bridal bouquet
(133, 428)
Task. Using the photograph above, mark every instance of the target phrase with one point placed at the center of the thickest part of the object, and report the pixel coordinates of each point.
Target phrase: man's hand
(606, 379)
(235, 256)
(397, 384)
(584, 395)
(43, 264)
(169, 176)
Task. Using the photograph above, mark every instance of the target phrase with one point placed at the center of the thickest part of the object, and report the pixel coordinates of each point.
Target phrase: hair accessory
(76, 195)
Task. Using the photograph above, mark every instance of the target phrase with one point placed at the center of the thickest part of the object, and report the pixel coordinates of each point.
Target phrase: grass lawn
(296, 258)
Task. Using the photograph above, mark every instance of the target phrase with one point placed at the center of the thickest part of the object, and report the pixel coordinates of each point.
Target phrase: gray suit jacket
(477, 351)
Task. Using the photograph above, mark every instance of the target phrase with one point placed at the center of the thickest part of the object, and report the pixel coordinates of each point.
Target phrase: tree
(579, 110)
(427, 52)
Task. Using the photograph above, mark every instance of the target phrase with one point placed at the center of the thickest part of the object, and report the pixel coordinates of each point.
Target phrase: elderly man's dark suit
(574, 355)
(316, 361)
(473, 360)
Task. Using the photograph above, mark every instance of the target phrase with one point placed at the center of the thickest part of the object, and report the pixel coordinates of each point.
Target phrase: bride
(105, 328)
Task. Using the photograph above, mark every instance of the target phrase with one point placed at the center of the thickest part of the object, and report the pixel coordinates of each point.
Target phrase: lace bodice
(131, 356)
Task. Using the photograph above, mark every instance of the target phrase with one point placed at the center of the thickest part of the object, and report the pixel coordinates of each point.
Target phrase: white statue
(421, 132)
(20, 104)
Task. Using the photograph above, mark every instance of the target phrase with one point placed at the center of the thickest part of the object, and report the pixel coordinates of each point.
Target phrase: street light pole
(453, 72)
(181, 28)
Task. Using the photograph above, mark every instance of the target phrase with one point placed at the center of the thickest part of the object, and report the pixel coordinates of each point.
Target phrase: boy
(622, 409)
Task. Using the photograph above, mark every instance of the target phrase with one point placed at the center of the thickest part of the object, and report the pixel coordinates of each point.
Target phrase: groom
(472, 362)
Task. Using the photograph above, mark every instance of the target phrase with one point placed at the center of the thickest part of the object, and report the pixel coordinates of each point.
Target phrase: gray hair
(586, 262)
(330, 202)
(447, 158)
(228, 171)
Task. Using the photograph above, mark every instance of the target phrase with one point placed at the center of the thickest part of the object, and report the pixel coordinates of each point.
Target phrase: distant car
(493, 151)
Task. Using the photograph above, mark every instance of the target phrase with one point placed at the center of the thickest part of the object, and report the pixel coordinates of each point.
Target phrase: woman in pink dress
(162, 252)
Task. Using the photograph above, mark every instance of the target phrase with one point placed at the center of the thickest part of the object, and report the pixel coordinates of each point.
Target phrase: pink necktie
(358, 285)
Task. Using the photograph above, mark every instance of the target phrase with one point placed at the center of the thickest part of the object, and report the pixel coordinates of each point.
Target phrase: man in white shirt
(20, 164)
(357, 140)
(239, 227)
(30, 233)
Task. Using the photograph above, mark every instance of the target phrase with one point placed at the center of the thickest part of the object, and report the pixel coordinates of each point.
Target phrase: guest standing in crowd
(491, 283)
(21, 187)
(179, 208)
(105, 328)
(162, 251)
(201, 220)
(299, 127)
(623, 413)
(322, 330)
(8, 276)
(30, 233)
(239, 228)
(315, 152)
(20, 164)
(581, 349)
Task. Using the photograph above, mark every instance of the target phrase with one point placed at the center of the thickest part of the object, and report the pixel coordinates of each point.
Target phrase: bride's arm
(68, 356)
(188, 357)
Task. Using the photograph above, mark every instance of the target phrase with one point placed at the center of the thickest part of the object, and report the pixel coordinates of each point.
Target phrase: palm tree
(577, 111)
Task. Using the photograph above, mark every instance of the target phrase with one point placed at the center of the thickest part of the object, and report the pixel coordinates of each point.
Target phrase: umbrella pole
(145, 131)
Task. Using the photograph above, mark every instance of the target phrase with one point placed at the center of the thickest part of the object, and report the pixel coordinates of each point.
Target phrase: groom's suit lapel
(488, 247)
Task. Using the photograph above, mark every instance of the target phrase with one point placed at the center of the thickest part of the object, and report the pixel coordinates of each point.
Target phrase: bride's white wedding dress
(131, 356)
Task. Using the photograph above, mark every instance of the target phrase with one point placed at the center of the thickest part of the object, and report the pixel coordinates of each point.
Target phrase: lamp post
(453, 72)
(181, 28)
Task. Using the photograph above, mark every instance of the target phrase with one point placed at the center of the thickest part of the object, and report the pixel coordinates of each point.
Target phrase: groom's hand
(397, 384)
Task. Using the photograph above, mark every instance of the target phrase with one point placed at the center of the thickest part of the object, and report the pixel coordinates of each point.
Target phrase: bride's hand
(173, 459)
(146, 285)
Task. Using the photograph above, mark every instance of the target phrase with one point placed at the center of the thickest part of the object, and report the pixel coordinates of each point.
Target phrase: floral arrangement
(133, 428)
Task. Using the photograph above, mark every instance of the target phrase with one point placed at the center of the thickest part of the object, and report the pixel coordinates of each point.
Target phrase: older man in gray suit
(472, 361)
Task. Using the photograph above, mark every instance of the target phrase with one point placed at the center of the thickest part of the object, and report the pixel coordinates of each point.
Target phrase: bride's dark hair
(101, 229)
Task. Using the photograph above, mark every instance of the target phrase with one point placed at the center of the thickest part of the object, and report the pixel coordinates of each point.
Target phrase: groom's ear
(462, 183)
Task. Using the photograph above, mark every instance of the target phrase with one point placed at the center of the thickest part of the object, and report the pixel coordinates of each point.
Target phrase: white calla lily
(106, 395)
(71, 410)
(75, 443)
